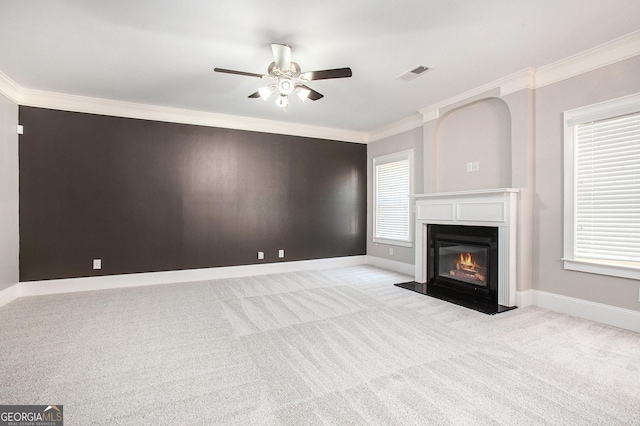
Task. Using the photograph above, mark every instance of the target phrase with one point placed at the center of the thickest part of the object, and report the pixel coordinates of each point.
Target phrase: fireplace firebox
(462, 265)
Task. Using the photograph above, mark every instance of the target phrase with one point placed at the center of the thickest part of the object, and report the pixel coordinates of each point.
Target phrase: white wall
(521, 106)
(610, 82)
(9, 237)
(411, 139)
(479, 132)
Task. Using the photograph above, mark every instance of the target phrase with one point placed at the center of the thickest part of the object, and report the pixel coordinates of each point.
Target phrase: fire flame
(467, 260)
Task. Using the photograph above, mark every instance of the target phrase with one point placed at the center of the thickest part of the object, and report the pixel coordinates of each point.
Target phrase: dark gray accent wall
(149, 196)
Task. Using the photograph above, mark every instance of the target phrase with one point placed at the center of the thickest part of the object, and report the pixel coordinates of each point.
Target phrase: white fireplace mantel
(485, 207)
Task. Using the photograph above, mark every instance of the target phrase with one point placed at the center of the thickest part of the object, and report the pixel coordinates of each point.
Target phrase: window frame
(385, 159)
(571, 118)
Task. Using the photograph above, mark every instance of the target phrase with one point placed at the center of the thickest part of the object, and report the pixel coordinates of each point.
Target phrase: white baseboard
(606, 314)
(9, 294)
(599, 312)
(69, 285)
(392, 265)
(524, 298)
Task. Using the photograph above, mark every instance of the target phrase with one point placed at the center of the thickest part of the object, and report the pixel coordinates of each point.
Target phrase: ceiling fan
(288, 77)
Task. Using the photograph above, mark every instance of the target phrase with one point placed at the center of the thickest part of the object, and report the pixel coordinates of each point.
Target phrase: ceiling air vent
(411, 74)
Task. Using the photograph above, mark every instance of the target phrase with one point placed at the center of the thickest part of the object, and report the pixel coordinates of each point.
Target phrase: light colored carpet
(340, 347)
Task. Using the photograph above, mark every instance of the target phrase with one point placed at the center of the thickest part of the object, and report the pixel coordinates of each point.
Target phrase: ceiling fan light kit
(285, 86)
(266, 91)
(302, 92)
(289, 77)
(282, 101)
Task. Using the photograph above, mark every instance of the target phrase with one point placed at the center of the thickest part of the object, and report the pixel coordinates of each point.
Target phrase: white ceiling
(162, 52)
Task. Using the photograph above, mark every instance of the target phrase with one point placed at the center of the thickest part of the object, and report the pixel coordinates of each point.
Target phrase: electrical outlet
(97, 263)
(391, 251)
(476, 166)
(260, 255)
(280, 254)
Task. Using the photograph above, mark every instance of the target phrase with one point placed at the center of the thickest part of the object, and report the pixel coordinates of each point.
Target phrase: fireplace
(463, 265)
(479, 225)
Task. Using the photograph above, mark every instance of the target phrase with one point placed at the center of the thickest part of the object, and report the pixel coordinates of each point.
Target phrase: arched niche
(479, 132)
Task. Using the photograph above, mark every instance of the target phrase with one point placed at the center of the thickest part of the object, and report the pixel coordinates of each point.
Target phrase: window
(392, 184)
(602, 188)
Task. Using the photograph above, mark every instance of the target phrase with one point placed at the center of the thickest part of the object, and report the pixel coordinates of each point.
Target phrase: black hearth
(462, 266)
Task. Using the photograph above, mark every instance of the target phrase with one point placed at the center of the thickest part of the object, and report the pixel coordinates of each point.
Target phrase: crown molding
(74, 103)
(525, 79)
(396, 128)
(530, 78)
(512, 83)
(533, 78)
(9, 88)
(606, 54)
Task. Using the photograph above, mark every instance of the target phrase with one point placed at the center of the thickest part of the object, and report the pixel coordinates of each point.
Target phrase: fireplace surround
(492, 208)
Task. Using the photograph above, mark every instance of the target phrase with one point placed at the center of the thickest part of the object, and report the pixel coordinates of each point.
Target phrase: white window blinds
(607, 189)
(392, 188)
